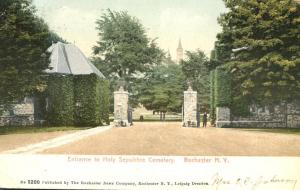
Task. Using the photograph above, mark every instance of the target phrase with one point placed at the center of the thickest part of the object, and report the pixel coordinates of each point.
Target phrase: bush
(60, 93)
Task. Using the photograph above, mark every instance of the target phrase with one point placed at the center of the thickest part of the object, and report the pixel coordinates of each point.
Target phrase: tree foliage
(24, 38)
(260, 44)
(195, 68)
(124, 51)
(162, 89)
(54, 38)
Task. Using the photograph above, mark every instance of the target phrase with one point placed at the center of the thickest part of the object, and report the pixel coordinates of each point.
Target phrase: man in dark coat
(204, 119)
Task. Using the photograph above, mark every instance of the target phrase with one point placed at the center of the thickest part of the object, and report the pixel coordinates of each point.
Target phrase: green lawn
(153, 118)
(29, 129)
(295, 131)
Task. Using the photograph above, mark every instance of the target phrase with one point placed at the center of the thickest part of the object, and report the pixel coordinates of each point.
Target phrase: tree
(54, 38)
(124, 50)
(168, 59)
(261, 48)
(218, 56)
(162, 89)
(24, 39)
(123, 47)
(195, 68)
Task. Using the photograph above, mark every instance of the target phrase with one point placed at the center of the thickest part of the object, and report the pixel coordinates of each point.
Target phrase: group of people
(204, 119)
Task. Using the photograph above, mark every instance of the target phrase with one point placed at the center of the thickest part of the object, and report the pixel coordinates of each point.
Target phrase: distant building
(179, 52)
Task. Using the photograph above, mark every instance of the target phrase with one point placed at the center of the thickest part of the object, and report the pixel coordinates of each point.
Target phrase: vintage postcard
(150, 94)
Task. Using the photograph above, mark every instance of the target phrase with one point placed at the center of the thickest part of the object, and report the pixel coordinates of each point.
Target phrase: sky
(194, 21)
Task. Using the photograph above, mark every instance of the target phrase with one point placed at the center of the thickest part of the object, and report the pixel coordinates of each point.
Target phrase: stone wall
(222, 116)
(293, 116)
(278, 116)
(19, 115)
(17, 120)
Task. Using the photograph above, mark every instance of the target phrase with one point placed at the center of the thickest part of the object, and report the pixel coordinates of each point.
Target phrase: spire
(179, 44)
(179, 52)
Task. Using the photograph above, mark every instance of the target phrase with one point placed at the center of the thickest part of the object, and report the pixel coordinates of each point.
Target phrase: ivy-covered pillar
(222, 100)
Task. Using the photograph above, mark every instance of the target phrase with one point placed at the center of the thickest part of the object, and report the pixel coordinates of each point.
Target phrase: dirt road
(159, 138)
(12, 141)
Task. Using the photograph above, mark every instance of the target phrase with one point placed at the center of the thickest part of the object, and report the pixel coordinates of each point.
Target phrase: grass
(295, 131)
(156, 118)
(29, 129)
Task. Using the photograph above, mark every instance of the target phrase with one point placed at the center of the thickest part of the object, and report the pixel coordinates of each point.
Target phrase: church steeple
(179, 52)
(179, 44)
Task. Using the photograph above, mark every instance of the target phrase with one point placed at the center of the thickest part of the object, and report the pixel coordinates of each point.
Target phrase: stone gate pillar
(121, 108)
(190, 108)
(222, 116)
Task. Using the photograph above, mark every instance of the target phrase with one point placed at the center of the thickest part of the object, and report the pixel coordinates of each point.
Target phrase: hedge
(60, 100)
(81, 100)
(212, 111)
(222, 88)
(104, 100)
(221, 95)
(220, 91)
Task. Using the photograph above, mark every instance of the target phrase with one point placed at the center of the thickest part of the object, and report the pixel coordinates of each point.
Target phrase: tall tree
(162, 89)
(262, 45)
(195, 68)
(124, 50)
(24, 39)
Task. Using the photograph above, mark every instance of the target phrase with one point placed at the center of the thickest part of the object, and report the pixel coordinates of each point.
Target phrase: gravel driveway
(12, 141)
(159, 138)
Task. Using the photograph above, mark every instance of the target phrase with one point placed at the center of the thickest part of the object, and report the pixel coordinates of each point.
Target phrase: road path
(158, 138)
(59, 140)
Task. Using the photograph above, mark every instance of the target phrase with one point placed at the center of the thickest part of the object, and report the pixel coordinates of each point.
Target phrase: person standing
(204, 119)
(130, 119)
